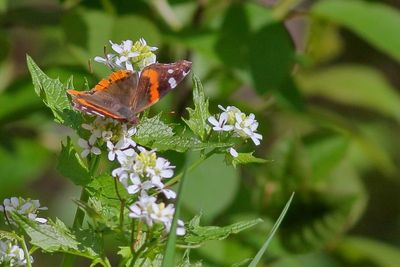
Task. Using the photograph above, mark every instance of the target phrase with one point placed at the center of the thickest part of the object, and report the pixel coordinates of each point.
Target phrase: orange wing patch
(154, 84)
(115, 76)
(89, 105)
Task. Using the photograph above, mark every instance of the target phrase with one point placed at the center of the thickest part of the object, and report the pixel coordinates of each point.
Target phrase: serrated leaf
(71, 166)
(199, 234)
(103, 188)
(53, 94)
(198, 116)
(245, 158)
(154, 133)
(150, 129)
(56, 237)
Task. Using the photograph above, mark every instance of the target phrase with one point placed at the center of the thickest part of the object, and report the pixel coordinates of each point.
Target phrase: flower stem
(21, 239)
(68, 259)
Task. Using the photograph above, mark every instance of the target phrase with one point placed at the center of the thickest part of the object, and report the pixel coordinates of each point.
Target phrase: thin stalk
(21, 239)
(68, 259)
(122, 207)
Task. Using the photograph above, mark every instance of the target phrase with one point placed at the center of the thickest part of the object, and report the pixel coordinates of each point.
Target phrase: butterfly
(125, 93)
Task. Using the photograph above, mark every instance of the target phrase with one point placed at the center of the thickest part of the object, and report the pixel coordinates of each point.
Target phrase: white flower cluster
(11, 254)
(27, 207)
(115, 135)
(140, 171)
(131, 56)
(231, 119)
(151, 212)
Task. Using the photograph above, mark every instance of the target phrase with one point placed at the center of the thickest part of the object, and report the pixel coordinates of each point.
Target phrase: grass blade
(169, 253)
(261, 252)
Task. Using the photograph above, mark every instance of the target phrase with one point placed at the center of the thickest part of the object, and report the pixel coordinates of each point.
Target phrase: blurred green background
(322, 77)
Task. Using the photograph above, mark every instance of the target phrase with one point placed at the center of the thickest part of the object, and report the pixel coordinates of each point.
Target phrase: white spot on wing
(170, 71)
(172, 82)
(185, 73)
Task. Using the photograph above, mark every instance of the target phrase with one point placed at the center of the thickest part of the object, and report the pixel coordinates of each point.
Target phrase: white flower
(162, 169)
(247, 125)
(169, 193)
(134, 184)
(180, 227)
(125, 54)
(88, 147)
(116, 149)
(232, 119)
(143, 208)
(127, 134)
(220, 124)
(233, 152)
(108, 61)
(11, 254)
(28, 208)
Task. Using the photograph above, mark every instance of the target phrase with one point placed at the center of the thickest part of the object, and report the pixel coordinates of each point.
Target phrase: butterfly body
(125, 93)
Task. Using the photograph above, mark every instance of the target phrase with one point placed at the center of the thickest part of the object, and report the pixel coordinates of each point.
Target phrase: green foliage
(198, 234)
(324, 94)
(375, 22)
(154, 133)
(71, 165)
(244, 158)
(56, 237)
(53, 94)
(353, 85)
(361, 249)
(262, 250)
(198, 116)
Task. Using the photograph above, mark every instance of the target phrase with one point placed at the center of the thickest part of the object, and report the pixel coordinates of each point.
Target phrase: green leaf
(377, 23)
(53, 94)
(71, 166)
(245, 158)
(271, 57)
(56, 237)
(154, 133)
(103, 188)
(198, 234)
(51, 91)
(262, 250)
(150, 129)
(198, 116)
(353, 85)
(361, 249)
(232, 44)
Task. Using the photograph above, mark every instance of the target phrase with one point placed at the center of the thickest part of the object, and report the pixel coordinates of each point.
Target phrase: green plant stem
(21, 239)
(68, 259)
(191, 167)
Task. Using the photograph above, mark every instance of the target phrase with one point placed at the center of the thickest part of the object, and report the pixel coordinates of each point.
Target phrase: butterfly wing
(155, 81)
(110, 97)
